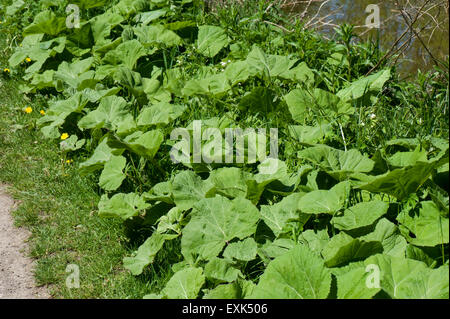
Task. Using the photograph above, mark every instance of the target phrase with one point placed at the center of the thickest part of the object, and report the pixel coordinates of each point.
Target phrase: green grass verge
(59, 207)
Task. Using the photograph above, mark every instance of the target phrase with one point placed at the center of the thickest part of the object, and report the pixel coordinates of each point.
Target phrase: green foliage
(353, 187)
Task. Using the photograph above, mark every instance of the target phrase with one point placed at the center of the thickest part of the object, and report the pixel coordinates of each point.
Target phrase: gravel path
(16, 270)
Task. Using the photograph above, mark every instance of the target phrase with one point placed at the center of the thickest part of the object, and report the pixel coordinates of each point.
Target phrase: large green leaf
(188, 189)
(360, 215)
(244, 250)
(127, 53)
(284, 216)
(339, 164)
(112, 175)
(352, 283)
(75, 73)
(143, 144)
(370, 84)
(342, 249)
(403, 278)
(211, 39)
(160, 114)
(300, 74)
(267, 66)
(389, 236)
(145, 254)
(101, 155)
(428, 224)
(325, 201)
(157, 34)
(46, 22)
(185, 284)
(121, 205)
(229, 181)
(221, 270)
(215, 222)
(109, 114)
(298, 274)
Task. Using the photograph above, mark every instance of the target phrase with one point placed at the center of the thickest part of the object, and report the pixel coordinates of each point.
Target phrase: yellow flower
(28, 110)
(42, 112)
(6, 70)
(64, 136)
(69, 161)
(28, 60)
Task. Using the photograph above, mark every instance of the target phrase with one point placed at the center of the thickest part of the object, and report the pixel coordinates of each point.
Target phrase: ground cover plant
(361, 185)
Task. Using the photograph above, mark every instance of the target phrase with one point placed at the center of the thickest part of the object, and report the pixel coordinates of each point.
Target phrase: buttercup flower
(6, 70)
(28, 60)
(69, 161)
(64, 136)
(42, 112)
(28, 110)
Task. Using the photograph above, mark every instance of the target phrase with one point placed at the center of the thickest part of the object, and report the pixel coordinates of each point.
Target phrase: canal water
(434, 26)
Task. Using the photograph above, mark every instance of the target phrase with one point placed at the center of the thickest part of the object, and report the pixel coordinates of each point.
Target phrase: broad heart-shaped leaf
(285, 216)
(237, 72)
(46, 22)
(259, 100)
(146, 253)
(400, 182)
(311, 135)
(89, 4)
(216, 221)
(388, 234)
(370, 84)
(244, 250)
(143, 144)
(75, 73)
(325, 201)
(121, 205)
(221, 270)
(211, 39)
(302, 102)
(71, 144)
(267, 66)
(157, 34)
(16, 6)
(403, 278)
(215, 84)
(314, 240)
(401, 159)
(236, 290)
(111, 112)
(160, 114)
(185, 284)
(146, 17)
(101, 155)
(361, 215)
(127, 53)
(338, 164)
(229, 181)
(300, 74)
(102, 24)
(342, 249)
(428, 224)
(112, 175)
(188, 188)
(351, 282)
(298, 274)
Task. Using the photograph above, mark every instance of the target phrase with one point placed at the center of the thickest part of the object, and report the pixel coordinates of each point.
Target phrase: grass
(59, 207)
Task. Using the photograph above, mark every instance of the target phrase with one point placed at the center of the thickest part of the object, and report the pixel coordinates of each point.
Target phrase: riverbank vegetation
(361, 180)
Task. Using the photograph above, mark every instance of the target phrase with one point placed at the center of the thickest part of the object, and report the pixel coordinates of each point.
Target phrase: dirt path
(16, 270)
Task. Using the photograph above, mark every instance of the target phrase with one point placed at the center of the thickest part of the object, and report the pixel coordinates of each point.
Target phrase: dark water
(434, 25)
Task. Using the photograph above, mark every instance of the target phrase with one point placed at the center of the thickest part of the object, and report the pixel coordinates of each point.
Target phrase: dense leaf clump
(359, 186)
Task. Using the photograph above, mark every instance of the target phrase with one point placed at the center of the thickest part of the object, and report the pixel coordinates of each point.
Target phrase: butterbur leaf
(185, 284)
(324, 201)
(112, 175)
(46, 22)
(225, 291)
(342, 249)
(216, 221)
(314, 240)
(339, 164)
(145, 254)
(242, 250)
(352, 284)
(101, 155)
(211, 39)
(144, 144)
(221, 270)
(429, 226)
(127, 53)
(298, 274)
(229, 181)
(157, 34)
(111, 111)
(284, 214)
(188, 188)
(300, 74)
(389, 236)
(71, 144)
(403, 278)
(360, 215)
(121, 205)
(160, 114)
(267, 66)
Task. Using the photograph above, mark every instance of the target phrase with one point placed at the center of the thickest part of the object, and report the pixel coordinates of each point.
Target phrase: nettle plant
(321, 211)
